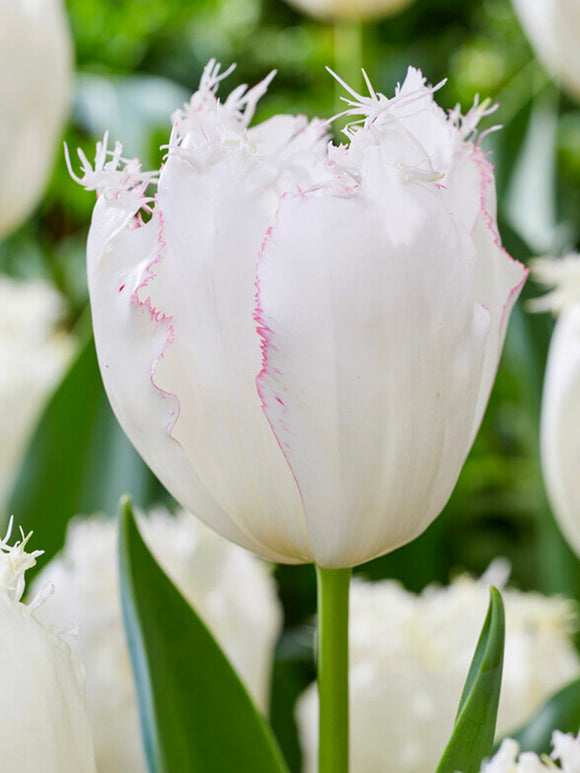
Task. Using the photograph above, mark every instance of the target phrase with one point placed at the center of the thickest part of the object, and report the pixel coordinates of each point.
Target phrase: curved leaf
(195, 713)
(472, 738)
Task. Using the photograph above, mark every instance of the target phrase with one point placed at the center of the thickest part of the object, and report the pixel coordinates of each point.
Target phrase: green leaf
(472, 738)
(560, 712)
(78, 460)
(195, 713)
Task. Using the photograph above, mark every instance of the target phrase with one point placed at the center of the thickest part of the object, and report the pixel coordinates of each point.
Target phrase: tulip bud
(410, 654)
(300, 338)
(553, 28)
(350, 9)
(559, 437)
(44, 721)
(231, 590)
(33, 355)
(35, 87)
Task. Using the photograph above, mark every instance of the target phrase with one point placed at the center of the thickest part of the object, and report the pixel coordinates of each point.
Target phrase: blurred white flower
(44, 723)
(231, 590)
(35, 88)
(33, 356)
(560, 418)
(566, 749)
(301, 339)
(553, 28)
(350, 9)
(409, 657)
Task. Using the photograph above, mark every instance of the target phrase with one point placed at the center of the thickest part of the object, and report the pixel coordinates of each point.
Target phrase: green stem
(333, 587)
(348, 56)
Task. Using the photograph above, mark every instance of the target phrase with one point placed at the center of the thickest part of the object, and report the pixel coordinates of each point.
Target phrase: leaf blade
(472, 738)
(186, 686)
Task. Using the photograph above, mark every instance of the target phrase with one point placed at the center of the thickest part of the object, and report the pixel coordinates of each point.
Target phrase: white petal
(373, 352)
(35, 88)
(499, 280)
(131, 337)
(560, 439)
(44, 722)
(214, 223)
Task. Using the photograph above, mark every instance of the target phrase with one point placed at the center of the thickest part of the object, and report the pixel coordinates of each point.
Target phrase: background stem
(333, 588)
(347, 56)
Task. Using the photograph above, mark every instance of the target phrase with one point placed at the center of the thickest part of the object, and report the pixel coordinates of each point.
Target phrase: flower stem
(333, 587)
(348, 55)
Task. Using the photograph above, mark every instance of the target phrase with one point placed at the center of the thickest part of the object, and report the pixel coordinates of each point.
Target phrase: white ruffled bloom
(560, 418)
(44, 723)
(350, 9)
(409, 658)
(566, 749)
(553, 28)
(301, 339)
(230, 589)
(35, 89)
(33, 355)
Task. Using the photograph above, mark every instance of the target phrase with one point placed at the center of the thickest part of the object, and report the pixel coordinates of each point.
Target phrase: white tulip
(300, 339)
(35, 89)
(560, 418)
(33, 354)
(566, 749)
(409, 658)
(553, 28)
(44, 720)
(230, 589)
(350, 9)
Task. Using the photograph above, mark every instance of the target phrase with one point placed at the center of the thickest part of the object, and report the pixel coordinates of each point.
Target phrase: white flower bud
(35, 87)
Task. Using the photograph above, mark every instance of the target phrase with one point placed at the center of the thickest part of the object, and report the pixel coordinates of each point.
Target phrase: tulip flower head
(553, 28)
(409, 656)
(559, 440)
(232, 590)
(35, 88)
(44, 720)
(300, 338)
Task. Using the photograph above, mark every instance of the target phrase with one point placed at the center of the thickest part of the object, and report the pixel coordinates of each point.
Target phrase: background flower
(409, 657)
(553, 28)
(559, 437)
(35, 87)
(44, 720)
(34, 354)
(334, 447)
(350, 9)
(231, 590)
(566, 749)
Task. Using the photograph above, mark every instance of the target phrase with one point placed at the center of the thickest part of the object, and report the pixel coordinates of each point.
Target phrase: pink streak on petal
(487, 179)
(158, 317)
(266, 345)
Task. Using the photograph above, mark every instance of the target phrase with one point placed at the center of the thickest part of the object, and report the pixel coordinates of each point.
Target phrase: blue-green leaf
(195, 713)
(472, 738)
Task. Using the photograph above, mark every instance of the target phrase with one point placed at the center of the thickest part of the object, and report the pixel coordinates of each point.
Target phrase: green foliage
(472, 738)
(195, 713)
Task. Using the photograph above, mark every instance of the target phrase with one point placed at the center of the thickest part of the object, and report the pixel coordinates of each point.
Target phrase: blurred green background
(136, 63)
